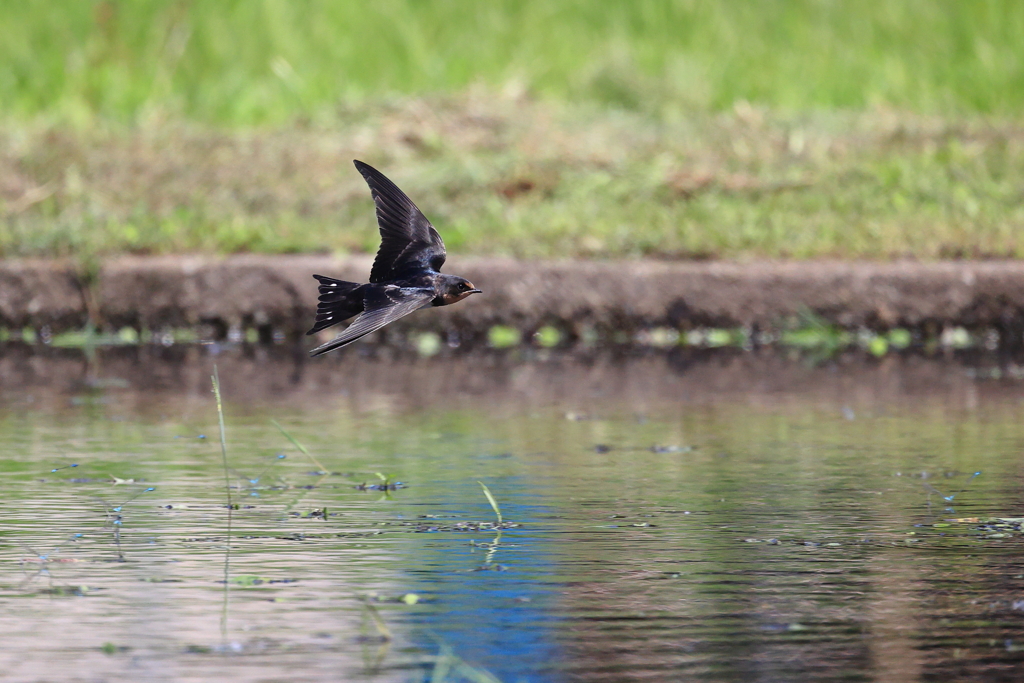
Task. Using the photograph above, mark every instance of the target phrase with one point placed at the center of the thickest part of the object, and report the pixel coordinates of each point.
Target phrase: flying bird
(405, 276)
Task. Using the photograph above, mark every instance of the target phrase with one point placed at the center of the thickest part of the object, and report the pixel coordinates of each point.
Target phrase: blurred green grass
(273, 61)
(673, 129)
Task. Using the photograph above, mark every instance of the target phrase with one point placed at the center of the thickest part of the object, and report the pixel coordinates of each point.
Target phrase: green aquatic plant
(371, 615)
(492, 501)
(223, 436)
(231, 507)
(90, 336)
(305, 451)
(321, 471)
(814, 333)
(449, 667)
(817, 335)
(493, 546)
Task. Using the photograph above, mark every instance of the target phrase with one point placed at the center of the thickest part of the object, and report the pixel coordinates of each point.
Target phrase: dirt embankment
(277, 293)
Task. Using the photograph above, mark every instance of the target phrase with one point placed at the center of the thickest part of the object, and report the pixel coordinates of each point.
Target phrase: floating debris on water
(404, 598)
(670, 449)
(992, 527)
(250, 580)
(391, 486)
(461, 526)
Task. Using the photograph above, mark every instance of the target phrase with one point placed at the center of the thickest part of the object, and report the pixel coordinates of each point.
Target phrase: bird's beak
(475, 291)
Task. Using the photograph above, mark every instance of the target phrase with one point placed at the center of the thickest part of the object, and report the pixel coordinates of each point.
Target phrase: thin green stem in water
(227, 489)
(492, 501)
(223, 436)
(297, 444)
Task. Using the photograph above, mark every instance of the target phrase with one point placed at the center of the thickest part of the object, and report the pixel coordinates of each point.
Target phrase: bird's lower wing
(383, 306)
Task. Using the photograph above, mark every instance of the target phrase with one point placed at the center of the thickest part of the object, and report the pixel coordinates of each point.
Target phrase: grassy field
(275, 61)
(805, 128)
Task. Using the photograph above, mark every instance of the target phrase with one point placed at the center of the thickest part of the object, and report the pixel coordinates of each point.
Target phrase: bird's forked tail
(339, 301)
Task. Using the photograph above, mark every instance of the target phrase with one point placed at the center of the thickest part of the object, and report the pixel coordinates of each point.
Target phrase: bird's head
(455, 289)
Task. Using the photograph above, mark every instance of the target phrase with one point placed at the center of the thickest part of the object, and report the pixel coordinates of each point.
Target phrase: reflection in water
(721, 517)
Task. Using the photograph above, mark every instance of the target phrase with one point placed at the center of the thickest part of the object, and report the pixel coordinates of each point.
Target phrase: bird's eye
(463, 286)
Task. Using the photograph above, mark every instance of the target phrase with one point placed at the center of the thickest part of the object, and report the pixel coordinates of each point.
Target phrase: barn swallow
(404, 277)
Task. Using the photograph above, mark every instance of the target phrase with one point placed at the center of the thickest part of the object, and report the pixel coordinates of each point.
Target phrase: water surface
(712, 517)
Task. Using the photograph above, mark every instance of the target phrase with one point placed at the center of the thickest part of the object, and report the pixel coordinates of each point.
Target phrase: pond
(713, 516)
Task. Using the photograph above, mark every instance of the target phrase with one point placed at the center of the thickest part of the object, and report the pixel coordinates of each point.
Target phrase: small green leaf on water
(941, 525)
(878, 346)
(410, 598)
(503, 336)
(548, 336)
(490, 499)
(796, 627)
(109, 649)
(899, 338)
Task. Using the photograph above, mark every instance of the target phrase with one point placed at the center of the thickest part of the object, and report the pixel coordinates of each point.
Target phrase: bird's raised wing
(382, 305)
(409, 244)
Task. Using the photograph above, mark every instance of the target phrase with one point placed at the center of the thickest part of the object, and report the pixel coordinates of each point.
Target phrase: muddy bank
(277, 294)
